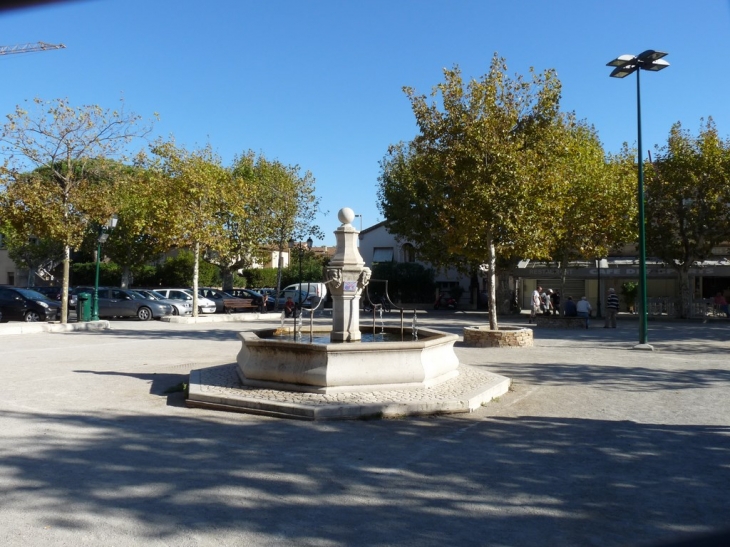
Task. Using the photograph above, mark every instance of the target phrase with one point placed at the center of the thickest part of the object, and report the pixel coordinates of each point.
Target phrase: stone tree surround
(506, 337)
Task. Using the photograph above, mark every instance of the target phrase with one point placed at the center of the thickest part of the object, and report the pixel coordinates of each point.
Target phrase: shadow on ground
(526, 481)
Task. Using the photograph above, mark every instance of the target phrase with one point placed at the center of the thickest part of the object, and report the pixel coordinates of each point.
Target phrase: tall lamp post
(625, 65)
(300, 246)
(103, 236)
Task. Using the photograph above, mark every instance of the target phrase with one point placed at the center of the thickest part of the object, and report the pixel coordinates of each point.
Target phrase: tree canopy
(688, 200)
(56, 176)
(477, 180)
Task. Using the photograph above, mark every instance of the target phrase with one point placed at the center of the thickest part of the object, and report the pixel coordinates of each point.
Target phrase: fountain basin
(340, 367)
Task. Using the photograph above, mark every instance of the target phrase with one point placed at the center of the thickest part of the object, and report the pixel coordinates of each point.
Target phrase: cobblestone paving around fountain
(220, 387)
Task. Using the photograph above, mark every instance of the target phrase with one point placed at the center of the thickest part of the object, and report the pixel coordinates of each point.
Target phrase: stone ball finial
(346, 215)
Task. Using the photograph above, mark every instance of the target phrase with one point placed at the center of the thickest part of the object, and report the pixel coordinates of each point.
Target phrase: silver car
(115, 302)
(179, 307)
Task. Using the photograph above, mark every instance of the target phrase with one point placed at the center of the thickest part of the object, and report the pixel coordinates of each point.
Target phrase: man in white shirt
(584, 309)
(535, 304)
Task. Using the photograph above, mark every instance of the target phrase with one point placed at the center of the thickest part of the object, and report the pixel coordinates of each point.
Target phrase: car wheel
(174, 311)
(31, 316)
(144, 314)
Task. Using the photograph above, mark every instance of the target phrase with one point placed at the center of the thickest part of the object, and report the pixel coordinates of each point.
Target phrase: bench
(231, 305)
(561, 322)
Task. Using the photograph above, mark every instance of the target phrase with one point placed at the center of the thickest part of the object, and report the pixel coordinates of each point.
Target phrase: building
(583, 278)
(379, 245)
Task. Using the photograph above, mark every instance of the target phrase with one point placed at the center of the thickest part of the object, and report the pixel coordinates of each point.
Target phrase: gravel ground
(596, 444)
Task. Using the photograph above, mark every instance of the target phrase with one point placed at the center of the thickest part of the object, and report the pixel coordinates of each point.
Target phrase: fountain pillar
(346, 278)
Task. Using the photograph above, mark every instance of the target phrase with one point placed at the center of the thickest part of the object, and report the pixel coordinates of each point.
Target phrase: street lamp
(300, 246)
(103, 236)
(625, 65)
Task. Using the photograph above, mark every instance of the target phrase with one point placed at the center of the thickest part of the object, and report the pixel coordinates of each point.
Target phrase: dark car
(54, 293)
(227, 302)
(26, 305)
(127, 303)
(255, 296)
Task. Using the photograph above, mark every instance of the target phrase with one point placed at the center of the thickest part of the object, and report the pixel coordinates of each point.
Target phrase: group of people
(548, 303)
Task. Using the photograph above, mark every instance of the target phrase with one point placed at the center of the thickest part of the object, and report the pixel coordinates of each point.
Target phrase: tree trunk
(685, 292)
(126, 276)
(492, 261)
(64, 284)
(280, 266)
(196, 268)
(227, 278)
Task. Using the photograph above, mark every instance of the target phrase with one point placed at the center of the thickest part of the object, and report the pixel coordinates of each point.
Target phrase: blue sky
(319, 83)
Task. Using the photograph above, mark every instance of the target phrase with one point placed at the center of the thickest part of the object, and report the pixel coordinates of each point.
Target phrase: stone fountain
(388, 376)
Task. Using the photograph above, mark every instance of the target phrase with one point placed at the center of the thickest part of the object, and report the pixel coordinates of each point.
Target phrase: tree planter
(506, 337)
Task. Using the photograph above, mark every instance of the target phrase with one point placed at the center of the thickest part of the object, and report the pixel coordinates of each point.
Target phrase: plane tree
(290, 207)
(56, 182)
(597, 198)
(189, 189)
(477, 180)
(688, 201)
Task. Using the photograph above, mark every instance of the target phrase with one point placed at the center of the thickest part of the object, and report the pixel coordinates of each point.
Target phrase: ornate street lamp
(625, 65)
(300, 246)
(103, 236)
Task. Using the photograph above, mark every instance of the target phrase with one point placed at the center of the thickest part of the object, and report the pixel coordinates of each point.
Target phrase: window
(409, 253)
(383, 254)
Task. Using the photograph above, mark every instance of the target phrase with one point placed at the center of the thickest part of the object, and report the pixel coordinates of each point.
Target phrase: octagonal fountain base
(276, 363)
(345, 380)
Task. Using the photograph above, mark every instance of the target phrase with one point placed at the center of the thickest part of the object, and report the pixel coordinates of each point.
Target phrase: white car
(204, 305)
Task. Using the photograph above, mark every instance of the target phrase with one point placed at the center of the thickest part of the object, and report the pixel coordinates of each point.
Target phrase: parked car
(26, 305)
(295, 296)
(226, 302)
(179, 307)
(54, 293)
(254, 295)
(115, 302)
(204, 305)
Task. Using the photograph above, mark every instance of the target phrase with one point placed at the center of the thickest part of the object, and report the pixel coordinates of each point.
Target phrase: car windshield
(32, 295)
(145, 294)
(157, 295)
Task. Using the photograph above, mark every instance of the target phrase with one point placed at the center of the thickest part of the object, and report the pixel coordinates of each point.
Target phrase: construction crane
(29, 48)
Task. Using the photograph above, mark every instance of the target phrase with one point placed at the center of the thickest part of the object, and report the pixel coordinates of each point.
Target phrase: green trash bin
(83, 306)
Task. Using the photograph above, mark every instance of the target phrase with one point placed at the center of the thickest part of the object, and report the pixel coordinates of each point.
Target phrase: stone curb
(218, 318)
(34, 328)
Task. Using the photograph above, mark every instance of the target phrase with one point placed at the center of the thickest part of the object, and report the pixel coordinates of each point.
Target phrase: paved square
(596, 444)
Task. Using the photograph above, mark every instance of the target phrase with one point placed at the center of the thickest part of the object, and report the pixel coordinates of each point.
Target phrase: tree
(63, 197)
(190, 189)
(291, 205)
(132, 243)
(596, 198)
(476, 182)
(688, 201)
(247, 224)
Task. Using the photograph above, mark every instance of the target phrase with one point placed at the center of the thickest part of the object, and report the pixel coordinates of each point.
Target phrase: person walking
(555, 301)
(612, 305)
(584, 309)
(535, 304)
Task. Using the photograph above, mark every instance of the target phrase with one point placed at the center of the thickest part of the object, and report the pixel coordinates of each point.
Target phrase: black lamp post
(103, 236)
(625, 65)
(300, 246)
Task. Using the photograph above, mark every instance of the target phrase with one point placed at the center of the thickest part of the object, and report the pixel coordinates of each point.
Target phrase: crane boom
(29, 48)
